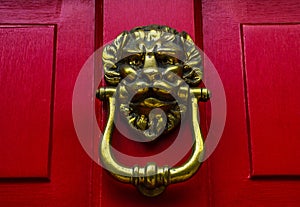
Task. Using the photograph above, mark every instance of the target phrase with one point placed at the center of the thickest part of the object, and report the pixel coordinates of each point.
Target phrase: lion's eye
(136, 61)
(166, 60)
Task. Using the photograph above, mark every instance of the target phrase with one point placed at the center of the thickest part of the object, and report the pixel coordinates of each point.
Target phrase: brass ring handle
(152, 180)
(158, 66)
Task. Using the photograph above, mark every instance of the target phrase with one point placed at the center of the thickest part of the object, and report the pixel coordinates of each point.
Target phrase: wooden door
(43, 45)
(254, 46)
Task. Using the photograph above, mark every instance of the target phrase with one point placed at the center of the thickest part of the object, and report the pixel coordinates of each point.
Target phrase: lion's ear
(120, 41)
(193, 68)
(111, 56)
(186, 36)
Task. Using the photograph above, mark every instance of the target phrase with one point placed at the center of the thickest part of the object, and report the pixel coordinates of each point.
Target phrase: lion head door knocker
(150, 70)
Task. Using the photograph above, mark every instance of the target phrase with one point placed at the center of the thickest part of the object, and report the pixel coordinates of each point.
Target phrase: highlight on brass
(153, 75)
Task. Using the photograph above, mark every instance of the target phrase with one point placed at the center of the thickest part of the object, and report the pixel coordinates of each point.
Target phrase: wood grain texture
(26, 83)
(27, 11)
(230, 163)
(69, 181)
(125, 15)
(272, 64)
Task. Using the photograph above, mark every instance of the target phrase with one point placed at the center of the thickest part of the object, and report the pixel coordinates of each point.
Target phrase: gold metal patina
(140, 66)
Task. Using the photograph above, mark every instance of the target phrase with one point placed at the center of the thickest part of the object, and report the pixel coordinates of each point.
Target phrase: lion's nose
(150, 61)
(151, 74)
(150, 71)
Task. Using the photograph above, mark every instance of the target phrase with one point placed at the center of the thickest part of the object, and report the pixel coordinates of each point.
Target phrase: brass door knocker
(148, 68)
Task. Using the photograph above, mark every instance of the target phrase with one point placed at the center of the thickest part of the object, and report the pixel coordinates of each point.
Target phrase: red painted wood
(223, 43)
(25, 11)
(26, 82)
(272, 65)
(119, 16)
(70, 175)
(125, 15)
(224, 179)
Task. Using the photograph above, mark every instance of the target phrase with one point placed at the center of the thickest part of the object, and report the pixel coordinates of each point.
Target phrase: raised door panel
(271, 56)
(255, 48)
(26, 84)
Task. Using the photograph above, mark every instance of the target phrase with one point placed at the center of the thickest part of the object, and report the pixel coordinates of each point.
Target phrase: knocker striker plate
(152, 74)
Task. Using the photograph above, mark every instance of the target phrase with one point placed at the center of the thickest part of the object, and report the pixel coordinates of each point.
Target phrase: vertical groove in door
(96, 184)
(204, 110)
(52, 100)
(246, 98)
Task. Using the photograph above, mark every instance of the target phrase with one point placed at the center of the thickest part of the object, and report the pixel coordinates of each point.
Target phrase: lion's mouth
(139, 108)
(146, 105)
(155, 94)
(152, 98)
(155, 103)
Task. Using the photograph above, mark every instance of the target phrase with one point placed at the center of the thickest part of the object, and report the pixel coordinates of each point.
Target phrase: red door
(254, 46)
(43, 46)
